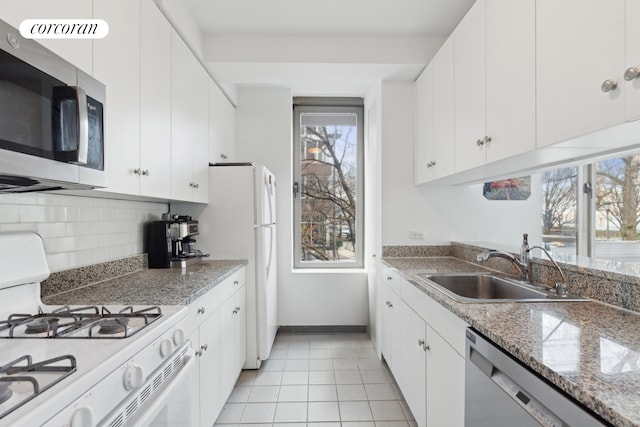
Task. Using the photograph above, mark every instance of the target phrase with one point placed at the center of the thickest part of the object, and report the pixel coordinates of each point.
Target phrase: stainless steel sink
(484, 288)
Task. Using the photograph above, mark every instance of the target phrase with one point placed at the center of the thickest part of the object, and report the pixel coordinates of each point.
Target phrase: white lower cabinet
(445, 382)
(423, 344)
(219, 339)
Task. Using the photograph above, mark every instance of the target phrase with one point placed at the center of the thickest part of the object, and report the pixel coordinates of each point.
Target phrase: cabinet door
(511, 103)
(422, 153)
(443, 111)
(210, 364)
(470, 88)
(221, 126)
(77, 51)
(445, 383)
(241, 298)
(117, 65)
(632, 88)
(184, 90)
(387, 323)
(579, 45)
(412, 370)
(155, 102)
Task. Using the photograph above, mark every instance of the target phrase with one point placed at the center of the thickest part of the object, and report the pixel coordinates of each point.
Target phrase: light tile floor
(321, 381)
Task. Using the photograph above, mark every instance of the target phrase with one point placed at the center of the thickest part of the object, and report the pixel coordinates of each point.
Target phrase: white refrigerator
(240, 223)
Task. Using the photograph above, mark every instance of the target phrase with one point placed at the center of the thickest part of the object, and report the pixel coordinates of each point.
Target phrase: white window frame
(329, 105)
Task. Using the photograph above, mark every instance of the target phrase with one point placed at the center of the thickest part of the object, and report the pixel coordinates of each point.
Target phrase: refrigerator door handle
(269, 224)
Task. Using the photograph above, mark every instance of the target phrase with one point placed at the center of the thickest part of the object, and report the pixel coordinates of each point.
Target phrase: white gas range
(85, 366)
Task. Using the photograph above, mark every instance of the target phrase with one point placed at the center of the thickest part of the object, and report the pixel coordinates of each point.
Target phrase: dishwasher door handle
(537, 410)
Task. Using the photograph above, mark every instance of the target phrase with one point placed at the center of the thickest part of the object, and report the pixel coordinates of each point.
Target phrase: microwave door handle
(83, 126)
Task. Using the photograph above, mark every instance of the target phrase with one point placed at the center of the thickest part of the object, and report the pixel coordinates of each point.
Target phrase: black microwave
(51, 119)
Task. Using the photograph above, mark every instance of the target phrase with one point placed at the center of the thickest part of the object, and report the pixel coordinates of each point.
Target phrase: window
(593, 210)
(328, 183)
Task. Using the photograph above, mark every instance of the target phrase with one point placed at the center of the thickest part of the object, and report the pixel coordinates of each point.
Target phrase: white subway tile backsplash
(51, 229)
(80, 230)
(9, 214)
(34, 213)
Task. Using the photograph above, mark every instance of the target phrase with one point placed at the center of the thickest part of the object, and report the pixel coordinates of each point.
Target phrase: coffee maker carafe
(171, 242)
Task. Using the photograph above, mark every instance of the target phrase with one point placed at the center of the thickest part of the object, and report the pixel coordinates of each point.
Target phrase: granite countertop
(588, 349)
(152, 286)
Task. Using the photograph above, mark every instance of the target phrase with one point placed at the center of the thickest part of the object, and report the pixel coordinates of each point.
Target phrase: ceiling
(241, 21)
(328, 17)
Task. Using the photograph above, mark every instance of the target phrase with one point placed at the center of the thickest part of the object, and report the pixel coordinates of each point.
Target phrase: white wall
(79, 231)
(443, 213)
(263, 131)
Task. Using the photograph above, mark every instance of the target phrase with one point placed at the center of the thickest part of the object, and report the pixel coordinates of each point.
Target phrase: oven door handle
(152, 408)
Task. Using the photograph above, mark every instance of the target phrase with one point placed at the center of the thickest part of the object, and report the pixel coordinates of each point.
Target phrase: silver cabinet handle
(137, 171)
(480, 142)
(608, 85)
(422, 344)
(199, 353)
(487, 139)
(145, 172)
(223, 156)
(389, 278)
(237, 309)
(632, 73)
(191, 184)
(235, 282)
(196, 186)
(201, 310)
(388, 303)
(431, 164)
(204, 347)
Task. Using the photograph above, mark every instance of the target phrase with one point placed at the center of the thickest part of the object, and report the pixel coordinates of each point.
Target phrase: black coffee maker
(170, 242)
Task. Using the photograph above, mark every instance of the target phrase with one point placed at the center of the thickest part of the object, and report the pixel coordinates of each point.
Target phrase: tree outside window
(328, 176)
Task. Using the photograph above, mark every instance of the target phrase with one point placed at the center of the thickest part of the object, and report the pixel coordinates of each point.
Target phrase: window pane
(328, 145)
(559, 191)
(617, 204)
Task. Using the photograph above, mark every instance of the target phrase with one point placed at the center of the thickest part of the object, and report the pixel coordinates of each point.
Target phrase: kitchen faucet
(559, 286)
(524, 269)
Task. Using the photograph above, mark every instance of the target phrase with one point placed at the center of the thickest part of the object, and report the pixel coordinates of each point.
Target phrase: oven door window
(26, 95)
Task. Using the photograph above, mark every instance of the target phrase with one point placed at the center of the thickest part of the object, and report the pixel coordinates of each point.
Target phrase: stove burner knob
(133, 377)
(166, 348)
(82, 417)
(178, 337)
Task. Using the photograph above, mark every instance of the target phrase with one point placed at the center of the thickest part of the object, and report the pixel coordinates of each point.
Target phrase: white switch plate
(416, 234)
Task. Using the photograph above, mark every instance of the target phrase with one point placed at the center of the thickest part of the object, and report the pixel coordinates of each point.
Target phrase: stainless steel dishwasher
(500, 391)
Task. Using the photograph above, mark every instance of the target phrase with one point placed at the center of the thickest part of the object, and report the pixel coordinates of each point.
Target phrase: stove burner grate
(17, 367)
(66, 322)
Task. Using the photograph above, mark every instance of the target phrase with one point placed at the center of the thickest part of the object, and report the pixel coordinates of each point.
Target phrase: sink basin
(483, 288)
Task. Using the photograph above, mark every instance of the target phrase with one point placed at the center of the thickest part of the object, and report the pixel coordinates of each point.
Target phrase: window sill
(355, 270)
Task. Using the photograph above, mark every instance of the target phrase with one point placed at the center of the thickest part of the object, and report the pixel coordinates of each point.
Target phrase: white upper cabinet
(511, 90)
(494, 82)
(580, 65)
(77, 51)
(433, 155)
(117, 65)
(632, 65)
(222, 126)
(443, 111)
(134, 62)
(470, 89)
(155, 102)
(423, 143)
(189, 125)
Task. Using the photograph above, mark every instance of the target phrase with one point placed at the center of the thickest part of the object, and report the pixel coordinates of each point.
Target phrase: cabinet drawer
(232, 284)
(446, 324)
(392, 278)
(203, 307)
